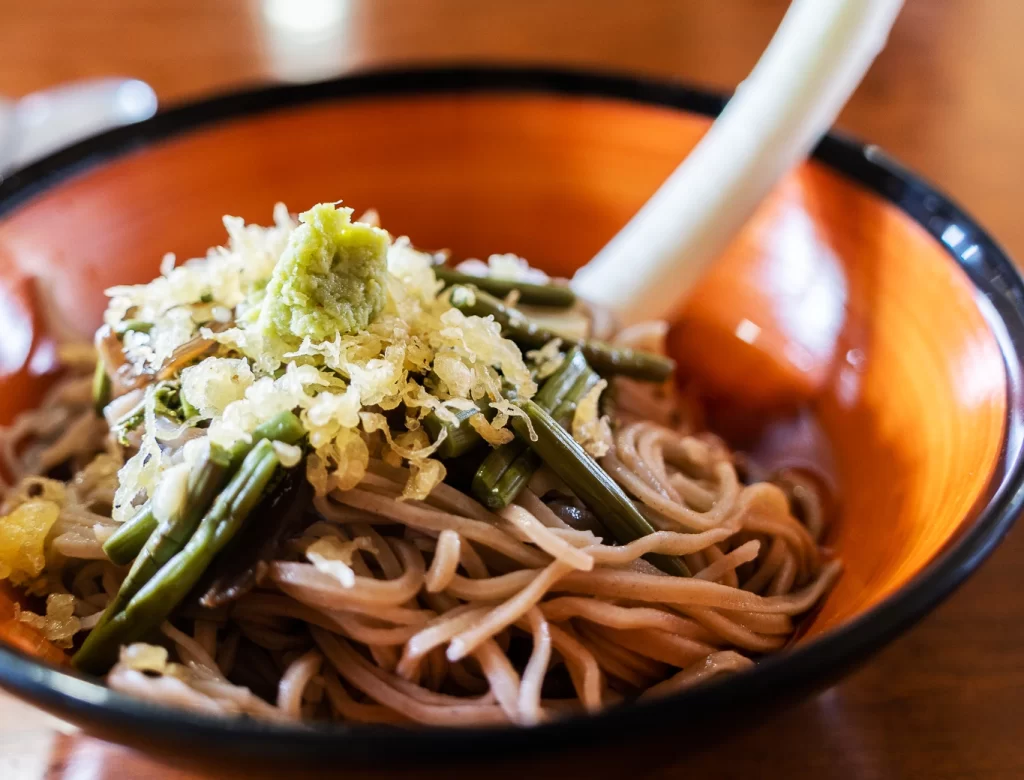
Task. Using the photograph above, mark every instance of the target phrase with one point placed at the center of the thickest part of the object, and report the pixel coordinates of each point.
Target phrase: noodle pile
(433, 609)
(444, 591)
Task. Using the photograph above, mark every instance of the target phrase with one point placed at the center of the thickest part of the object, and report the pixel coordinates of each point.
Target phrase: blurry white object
(813, 64)
(45, 121)
(309, 39)
(7, 132)
(304, 16)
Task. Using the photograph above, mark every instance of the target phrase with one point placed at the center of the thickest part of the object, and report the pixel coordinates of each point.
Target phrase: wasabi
(329, 280)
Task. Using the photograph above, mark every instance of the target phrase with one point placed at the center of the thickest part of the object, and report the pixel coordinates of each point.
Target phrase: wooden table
(947, 700)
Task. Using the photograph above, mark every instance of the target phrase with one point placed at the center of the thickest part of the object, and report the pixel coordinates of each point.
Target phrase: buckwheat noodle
(457, 615)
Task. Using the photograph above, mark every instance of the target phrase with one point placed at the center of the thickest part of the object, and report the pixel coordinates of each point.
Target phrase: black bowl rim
(1000, 295)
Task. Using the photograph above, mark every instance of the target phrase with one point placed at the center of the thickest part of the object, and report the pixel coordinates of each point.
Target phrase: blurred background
(945, 98)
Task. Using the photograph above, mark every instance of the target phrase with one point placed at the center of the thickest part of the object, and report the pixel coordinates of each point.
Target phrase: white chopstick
(813, 64)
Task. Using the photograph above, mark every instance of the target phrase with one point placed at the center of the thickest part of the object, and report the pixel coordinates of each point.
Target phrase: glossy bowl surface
(857, 294)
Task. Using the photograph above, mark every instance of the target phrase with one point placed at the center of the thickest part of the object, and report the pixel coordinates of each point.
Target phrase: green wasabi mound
(329, 279)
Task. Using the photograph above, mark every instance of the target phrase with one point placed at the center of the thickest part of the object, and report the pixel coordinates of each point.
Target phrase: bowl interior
(832, 300)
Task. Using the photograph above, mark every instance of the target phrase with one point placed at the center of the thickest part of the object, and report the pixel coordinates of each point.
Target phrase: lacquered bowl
(857, 292)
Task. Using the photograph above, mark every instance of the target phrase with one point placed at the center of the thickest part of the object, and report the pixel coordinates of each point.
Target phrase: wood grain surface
(945, 701)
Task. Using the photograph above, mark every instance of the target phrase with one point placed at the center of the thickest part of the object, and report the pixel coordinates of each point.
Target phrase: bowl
(858, 297)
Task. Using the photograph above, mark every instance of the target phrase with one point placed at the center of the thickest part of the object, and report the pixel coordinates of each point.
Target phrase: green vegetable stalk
(514, 458)
(130, 538)
(553, 295)
(563, 455)
(101, 387)
(605, 358)
(158, 597)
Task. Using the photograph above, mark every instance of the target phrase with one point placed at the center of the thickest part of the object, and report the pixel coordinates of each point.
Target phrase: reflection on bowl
(847, 297)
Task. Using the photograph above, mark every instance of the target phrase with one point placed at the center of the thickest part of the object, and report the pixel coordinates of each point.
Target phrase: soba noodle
(434, 609)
